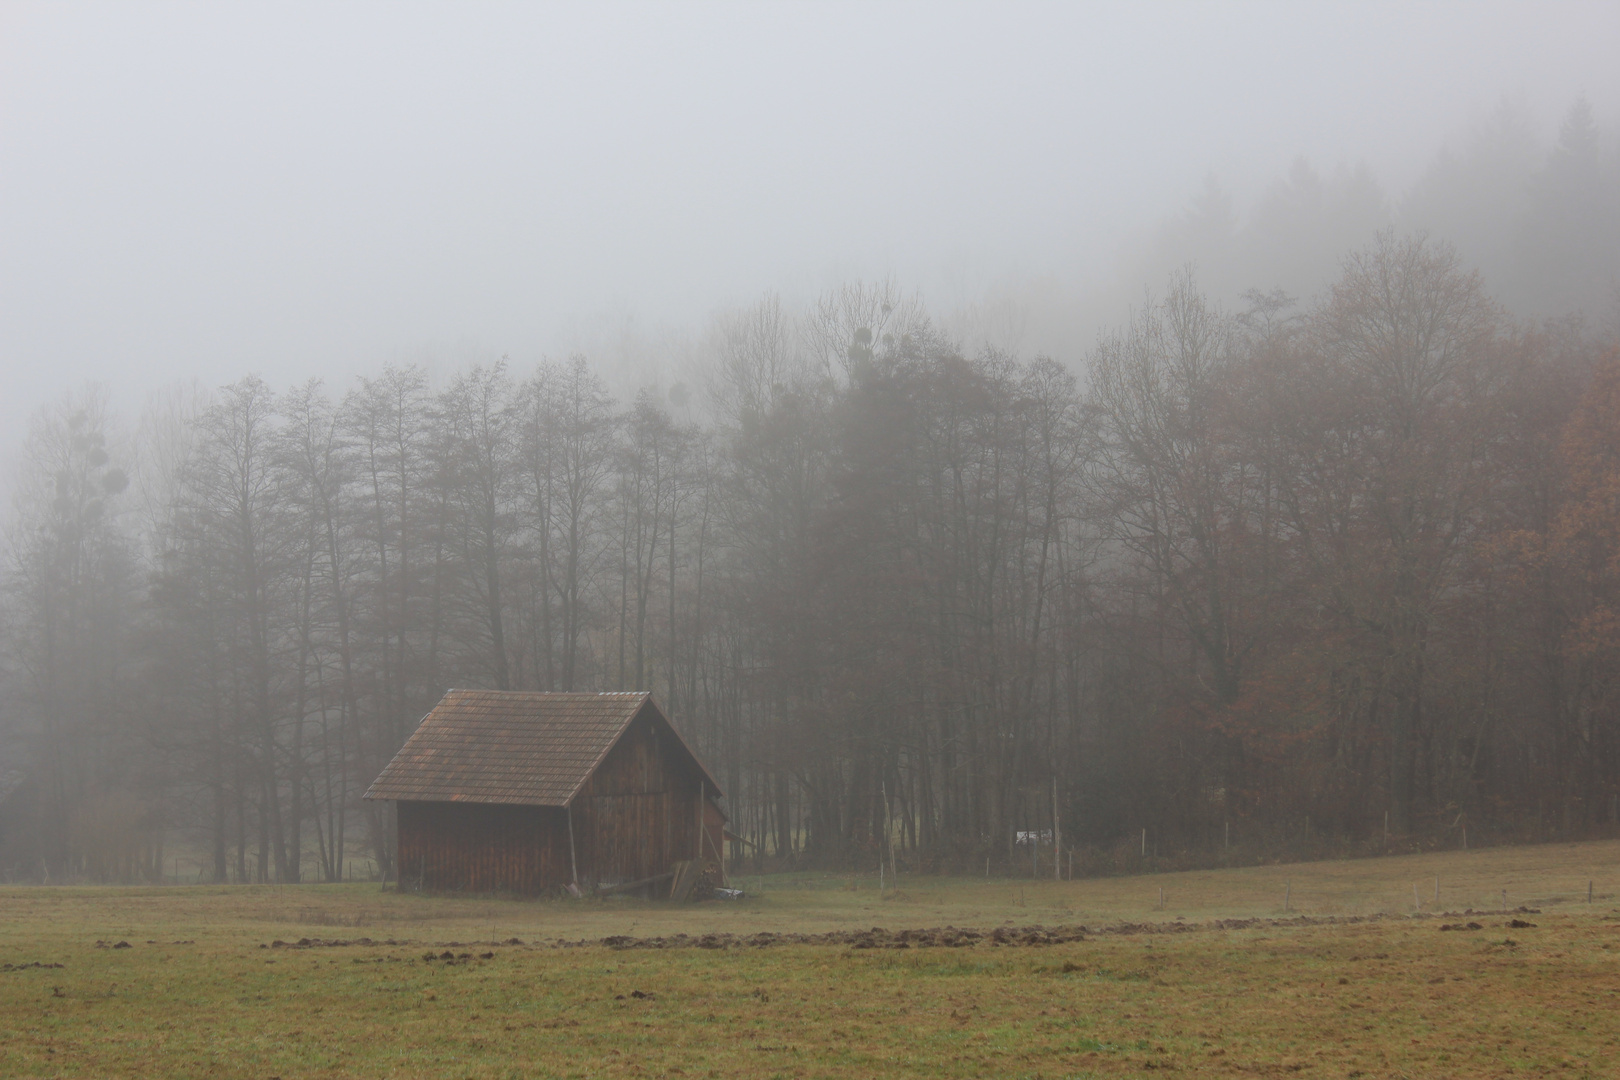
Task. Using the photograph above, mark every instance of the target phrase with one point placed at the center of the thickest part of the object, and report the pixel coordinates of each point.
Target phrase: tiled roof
(514, 747)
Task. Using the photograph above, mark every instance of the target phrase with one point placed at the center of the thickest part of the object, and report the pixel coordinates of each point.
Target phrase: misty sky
(200, 191)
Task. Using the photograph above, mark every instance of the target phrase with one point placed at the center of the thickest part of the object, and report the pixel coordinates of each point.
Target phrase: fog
(192, 192)
(1186, 421)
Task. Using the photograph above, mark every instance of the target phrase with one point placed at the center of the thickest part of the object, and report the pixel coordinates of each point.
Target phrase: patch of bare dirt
(364, 942)
(936, 937)
(946, 937)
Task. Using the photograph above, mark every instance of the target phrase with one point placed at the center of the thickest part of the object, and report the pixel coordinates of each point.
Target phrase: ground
(1220, 980)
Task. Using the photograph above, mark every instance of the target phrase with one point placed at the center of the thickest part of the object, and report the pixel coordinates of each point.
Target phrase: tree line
(1330, 576)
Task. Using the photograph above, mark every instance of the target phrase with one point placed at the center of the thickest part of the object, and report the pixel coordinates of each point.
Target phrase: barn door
(629, 837)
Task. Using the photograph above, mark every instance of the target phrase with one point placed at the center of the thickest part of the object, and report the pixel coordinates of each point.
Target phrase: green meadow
(1357, 977)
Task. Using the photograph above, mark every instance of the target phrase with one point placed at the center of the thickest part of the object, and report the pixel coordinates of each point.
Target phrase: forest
(1268, 569)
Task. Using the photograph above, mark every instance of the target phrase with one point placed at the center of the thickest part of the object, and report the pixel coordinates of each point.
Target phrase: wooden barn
(512, 791)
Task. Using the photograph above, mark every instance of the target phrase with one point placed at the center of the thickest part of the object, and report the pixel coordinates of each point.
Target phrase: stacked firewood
(709, 879)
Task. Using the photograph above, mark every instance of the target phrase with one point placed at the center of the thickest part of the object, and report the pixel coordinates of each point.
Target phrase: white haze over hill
(189, 193)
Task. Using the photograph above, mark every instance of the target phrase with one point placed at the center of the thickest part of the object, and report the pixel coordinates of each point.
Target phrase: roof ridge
(547, 693)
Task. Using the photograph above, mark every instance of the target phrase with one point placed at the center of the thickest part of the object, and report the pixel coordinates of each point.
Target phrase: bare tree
(1395, 405)
(71, 591)
(477, 426)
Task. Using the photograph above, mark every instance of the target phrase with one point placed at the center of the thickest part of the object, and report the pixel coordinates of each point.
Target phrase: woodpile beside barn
(531, 792)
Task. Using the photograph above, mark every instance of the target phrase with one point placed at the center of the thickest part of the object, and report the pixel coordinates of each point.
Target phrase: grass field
(1220, 980)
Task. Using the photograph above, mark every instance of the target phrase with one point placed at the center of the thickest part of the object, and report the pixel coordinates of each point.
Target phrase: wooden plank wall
(637, 814)
(715, 846)
(474, 847)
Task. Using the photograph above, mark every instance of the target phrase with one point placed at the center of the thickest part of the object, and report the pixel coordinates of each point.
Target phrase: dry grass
(196, 995)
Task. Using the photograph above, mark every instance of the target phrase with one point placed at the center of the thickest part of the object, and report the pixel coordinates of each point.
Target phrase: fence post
(1057, 835)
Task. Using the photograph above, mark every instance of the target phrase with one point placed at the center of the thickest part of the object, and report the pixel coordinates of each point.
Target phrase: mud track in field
(937, 937)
